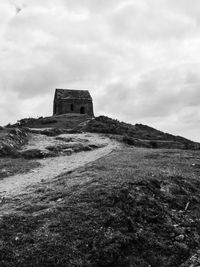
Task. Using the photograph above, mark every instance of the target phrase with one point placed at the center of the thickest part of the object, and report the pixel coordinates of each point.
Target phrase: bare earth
(52, 167)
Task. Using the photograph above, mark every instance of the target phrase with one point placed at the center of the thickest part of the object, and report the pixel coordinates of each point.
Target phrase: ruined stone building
(72, 101)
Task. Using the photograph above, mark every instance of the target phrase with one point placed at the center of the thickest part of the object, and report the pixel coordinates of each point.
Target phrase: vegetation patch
(36, 154)
(65, 121)
(12, 166)
(50, 131)
(12, 139)
(139, 135)
(131, 208)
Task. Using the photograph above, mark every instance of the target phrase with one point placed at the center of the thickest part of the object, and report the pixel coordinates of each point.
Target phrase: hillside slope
(135, 206)
(136, 135)
(70, 152)
(66, 121)
(139, 134)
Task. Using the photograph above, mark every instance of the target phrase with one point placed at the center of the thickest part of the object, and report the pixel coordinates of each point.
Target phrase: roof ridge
(73, 93)
(72, 89)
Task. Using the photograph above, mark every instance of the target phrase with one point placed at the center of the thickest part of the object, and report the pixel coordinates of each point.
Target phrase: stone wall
(80, 106)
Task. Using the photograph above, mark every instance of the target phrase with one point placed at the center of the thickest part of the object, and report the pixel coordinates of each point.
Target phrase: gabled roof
(72, 94)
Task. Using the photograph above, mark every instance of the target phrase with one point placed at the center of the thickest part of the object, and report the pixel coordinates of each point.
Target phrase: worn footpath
(52, 167)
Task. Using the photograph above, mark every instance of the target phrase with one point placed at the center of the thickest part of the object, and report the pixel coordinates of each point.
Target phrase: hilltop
(89, 192)
(137, 135)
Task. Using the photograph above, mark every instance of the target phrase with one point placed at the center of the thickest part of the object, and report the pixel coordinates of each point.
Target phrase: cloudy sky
(140, 59)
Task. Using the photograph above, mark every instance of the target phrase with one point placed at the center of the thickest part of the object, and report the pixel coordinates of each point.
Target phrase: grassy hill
(136, 135)
(135, 207)
(139, 134)
(66, 121)
(138, 206)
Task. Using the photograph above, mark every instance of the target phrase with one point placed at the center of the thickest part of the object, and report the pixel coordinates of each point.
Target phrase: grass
(139, 135)
(13, 166)
(135, 207)
(65, 121)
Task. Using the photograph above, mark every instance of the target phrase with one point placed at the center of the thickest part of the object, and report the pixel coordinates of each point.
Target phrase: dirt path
(52, 167)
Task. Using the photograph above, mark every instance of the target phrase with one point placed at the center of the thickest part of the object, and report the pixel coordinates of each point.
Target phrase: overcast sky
(140, 59)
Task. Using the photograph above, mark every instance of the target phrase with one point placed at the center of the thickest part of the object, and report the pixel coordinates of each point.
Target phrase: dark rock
(179, 230)
(11, 140)
(36, 154)
(180, 237)
(68, 151)
(181, 245)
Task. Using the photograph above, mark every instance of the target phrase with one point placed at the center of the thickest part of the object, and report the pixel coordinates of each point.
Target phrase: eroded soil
(53, 166)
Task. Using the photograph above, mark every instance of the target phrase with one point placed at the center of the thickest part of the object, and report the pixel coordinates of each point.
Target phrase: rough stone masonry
(72, 101)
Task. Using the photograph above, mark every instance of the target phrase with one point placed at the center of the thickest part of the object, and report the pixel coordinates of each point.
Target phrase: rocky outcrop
(12, 139)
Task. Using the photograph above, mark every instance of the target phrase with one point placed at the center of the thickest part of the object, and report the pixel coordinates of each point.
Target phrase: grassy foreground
(135, 207)
(12, 166)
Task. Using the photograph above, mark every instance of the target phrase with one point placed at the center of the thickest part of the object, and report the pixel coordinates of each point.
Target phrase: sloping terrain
(81, 149)
(84, 200)
(134, 207)
(67, 121)
(139, 134)
(11, 139)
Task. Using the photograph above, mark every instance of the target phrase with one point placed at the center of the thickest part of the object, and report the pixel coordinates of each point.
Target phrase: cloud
(136, 21)
(159, 96)
(139, 58)
(185, 7)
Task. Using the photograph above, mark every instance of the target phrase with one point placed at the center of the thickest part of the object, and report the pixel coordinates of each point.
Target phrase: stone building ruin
(72, 101)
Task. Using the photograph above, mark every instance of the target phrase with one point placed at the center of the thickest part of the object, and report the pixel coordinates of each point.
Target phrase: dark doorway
(82, 110)
(72, 107)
